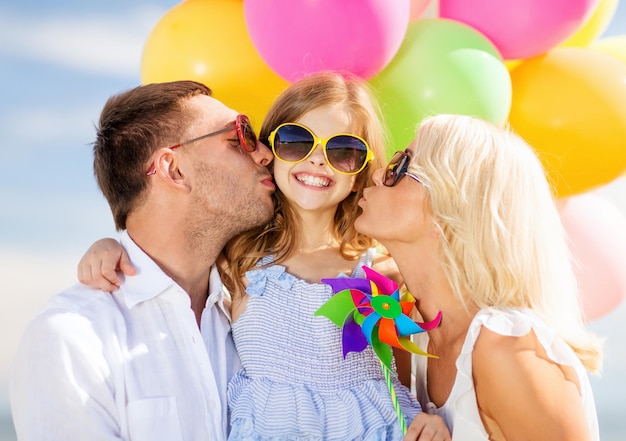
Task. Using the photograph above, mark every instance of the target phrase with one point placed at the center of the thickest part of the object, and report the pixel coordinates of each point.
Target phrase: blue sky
(59, 62)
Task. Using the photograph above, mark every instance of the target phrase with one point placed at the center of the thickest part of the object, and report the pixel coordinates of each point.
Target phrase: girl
(327, 138)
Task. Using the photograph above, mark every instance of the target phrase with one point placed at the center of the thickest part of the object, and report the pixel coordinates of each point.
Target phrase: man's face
(231, 188)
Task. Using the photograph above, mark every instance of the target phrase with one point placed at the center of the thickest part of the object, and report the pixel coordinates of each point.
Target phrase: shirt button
(212, 405)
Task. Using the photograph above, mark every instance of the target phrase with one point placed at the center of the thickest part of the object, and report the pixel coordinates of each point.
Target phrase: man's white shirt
(131, 365)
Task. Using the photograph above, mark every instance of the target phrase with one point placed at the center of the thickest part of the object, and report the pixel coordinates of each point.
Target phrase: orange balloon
(570, 105)
(207, 41)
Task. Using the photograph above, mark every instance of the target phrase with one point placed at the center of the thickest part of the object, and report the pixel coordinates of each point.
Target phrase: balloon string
(394, 397)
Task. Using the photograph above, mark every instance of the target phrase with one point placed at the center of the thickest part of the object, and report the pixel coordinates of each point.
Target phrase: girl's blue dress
(295, 383)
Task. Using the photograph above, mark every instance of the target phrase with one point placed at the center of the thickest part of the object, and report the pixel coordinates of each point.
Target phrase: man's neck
(188, 266)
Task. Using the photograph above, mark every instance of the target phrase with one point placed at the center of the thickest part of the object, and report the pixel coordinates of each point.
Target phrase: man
(182, 174)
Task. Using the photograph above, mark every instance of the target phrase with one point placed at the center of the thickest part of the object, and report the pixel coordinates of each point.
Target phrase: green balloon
(443, 66)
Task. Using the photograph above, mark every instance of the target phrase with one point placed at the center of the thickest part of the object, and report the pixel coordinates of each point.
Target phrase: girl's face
(394, 214)
(312, 185)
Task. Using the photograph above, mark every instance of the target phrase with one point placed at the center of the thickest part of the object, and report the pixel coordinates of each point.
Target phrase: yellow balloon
(614, 46)
(595, 25)
(512, 64)
(207, 41)
(570, 105)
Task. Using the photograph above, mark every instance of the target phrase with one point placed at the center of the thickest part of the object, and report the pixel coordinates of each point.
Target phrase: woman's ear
(435, 231)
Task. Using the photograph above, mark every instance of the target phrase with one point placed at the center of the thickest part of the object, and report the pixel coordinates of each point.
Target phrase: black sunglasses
(397, 169)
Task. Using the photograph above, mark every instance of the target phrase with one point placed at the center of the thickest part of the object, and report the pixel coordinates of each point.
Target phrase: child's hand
(98, 267)
(425, 427)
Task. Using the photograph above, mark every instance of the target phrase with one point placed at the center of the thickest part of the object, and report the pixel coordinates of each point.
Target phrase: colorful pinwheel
(372, 310)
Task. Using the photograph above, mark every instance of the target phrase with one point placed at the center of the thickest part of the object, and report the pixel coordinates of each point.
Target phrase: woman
(470, 220)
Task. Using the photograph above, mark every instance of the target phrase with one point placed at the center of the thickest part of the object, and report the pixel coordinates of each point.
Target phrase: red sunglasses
(245, 133)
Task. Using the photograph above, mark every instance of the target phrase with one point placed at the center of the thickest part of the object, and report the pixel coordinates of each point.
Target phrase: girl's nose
(317, 156)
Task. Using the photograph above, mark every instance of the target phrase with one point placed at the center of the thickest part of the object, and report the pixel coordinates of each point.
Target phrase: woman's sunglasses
(344, 153)
(397, 169)
(245, 133)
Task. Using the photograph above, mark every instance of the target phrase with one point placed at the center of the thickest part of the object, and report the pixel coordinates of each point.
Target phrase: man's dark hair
(133, 125)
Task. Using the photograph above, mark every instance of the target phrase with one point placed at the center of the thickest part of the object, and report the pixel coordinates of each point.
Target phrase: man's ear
(168, 168)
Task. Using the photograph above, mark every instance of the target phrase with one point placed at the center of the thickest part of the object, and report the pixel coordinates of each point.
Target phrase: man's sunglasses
(245, 133)
(344, 153)
(397, 169)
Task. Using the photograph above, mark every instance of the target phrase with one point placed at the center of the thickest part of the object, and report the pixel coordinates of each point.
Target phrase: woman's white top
(460, 411)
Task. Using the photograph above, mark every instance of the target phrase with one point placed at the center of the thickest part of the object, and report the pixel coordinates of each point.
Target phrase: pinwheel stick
(394, 397)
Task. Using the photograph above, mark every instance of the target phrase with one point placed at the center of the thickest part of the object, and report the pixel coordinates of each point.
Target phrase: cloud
(38, 127)
(106, 44)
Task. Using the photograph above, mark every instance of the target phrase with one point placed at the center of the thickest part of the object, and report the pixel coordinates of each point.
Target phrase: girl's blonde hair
(279, 237)
(503, 243)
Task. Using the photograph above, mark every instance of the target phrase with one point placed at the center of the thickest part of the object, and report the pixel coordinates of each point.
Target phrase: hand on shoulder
(99, 267)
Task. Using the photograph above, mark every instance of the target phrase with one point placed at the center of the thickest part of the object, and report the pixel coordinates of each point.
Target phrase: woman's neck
(426, 281)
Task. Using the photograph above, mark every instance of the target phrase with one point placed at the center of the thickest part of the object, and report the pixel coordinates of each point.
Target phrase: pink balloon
(296, 38)
(521, 28)
(597, 233)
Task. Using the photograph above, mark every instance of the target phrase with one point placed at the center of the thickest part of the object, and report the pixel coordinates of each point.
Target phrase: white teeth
(315, 181)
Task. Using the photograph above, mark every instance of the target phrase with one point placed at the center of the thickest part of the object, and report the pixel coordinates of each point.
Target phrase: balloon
(443, 66)
(296, 38)
(520, 28)
(613, 46)
(570, 105)
(594, 26)
(511, 64)
(417, 8)
(597, 232)
(207, 41)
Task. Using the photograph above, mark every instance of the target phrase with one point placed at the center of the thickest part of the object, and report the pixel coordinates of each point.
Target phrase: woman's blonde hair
(279, 237)
(503, 241)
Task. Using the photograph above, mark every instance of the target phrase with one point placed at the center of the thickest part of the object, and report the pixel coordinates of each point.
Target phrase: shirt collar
(150, 280)
(217, 293)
